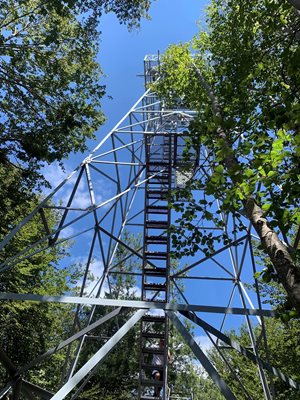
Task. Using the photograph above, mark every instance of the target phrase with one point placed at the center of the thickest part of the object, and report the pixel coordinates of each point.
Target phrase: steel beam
(70, 340)
(136, 304)
(98, 357)
(202, 260)
(207, 365)
(8, 238)
(242, 350)
(42, 393)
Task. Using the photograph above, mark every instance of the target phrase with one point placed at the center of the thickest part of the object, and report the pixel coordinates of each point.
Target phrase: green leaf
(266, 207)
(257, 275)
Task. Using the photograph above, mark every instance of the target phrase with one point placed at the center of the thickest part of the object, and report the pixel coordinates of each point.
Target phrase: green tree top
(242, 76)
(50, 86)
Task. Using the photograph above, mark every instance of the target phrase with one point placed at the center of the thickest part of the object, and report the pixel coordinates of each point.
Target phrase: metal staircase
(156, 264)
(127, 180)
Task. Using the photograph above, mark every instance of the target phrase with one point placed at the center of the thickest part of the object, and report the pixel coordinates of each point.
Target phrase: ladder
(156, 265)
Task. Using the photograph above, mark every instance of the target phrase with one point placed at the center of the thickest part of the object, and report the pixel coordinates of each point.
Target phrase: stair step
(144, 397)
(154, 318)
(150, 398)
(155, 271)
(153, 335)
(156, 239)
(151, 382)
(151, 367)
(157, 194)
(156, 191)
(158, 162)
(158, 180)
(155, 286)
(157, 177)
(157, 224)
(156, 255)
(157, 210)
(156, 170)
(153, 350)
(161, 173)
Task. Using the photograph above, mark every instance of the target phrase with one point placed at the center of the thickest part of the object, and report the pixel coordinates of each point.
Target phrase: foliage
(14, 203)
(284, 352)
(121, 365)
(28, 327)
(50, 86)
(242, 77)
(128, 12)
(270, 289)
(122, 280)
(116, 376)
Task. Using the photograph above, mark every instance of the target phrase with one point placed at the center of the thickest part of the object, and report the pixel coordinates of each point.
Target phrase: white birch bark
(285, 267)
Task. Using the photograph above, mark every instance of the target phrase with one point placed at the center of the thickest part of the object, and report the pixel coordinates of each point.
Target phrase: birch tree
(242, 76)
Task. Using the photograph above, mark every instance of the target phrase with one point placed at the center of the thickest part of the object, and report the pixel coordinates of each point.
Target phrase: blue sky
(122, 52)
(121, 58)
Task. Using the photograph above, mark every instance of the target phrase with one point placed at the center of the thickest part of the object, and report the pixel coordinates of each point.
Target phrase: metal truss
(97, 205)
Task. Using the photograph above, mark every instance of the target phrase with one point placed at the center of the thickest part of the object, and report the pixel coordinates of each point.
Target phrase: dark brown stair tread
(153, 350)
(151, 382)
(153, 318)
(155, 271)
(156, 239)
(154, 286)
(153, 335)
(152, 367)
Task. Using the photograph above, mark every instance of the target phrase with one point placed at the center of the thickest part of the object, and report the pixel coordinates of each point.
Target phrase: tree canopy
(50, 94)
(50, 78)
(28, 329)
(283, 353)
(242, 77)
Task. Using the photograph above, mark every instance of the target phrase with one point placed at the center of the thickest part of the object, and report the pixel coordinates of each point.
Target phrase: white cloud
(204, 342)
(95, 269)
(67, 232)
(135, 291)
(55, 175)
(82, 199)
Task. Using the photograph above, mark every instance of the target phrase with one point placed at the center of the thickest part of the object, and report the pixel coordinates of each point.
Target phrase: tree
(29, 329)
(186, 378)
(121, 366)
(49, 105)
(50, 79)
(284, 353)
(242, 76)
(50, 88)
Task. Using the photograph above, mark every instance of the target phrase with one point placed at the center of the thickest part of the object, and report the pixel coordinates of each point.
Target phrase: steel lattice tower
(124, 186)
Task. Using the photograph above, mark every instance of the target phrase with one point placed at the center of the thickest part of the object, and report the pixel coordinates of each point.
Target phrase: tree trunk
(286, 269)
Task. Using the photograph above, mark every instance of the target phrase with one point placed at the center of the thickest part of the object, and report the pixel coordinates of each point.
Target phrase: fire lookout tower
(124, 185)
